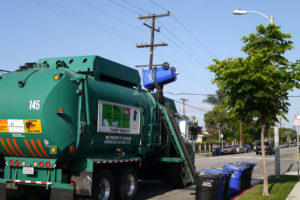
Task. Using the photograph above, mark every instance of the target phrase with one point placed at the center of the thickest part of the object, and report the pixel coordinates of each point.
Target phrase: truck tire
(103, 186)
(126, 184)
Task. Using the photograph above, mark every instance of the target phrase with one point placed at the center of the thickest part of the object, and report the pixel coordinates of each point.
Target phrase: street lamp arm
(270, 19)
(259, 13)
(243, 12)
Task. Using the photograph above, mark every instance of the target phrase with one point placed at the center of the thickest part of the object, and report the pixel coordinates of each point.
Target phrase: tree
(217, 99)
(287, 134)
(215, 118)
(257, 86)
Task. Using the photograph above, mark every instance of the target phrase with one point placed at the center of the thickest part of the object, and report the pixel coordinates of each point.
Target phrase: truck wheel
(126, 184)
(103, 186)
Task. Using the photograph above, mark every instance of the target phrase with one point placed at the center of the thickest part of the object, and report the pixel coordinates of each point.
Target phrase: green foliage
(217, 99)
(258, 85)
(287, 134)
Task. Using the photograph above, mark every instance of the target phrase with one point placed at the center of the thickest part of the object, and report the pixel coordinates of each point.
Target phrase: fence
(207, 147)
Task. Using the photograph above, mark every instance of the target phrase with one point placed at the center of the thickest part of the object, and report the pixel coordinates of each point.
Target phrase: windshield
(227, 147)
(236, 145)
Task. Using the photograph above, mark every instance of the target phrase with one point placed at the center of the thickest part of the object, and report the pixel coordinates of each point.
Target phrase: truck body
(84, 126)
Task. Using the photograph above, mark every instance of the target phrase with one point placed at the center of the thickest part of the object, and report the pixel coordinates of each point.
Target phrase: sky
(196, 32)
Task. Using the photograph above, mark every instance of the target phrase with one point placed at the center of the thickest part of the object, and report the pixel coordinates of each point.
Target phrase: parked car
(247, 148)
(239, 148)
(283, 145)
(269, 148)
(293, 144)
(228, 150)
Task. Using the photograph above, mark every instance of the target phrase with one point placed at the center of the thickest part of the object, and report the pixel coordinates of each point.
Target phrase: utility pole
(183, 105)
(241, 132)
(152, 45)
(277, 151)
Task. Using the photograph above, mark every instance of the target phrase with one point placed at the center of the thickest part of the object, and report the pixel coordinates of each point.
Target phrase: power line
(153, 29)
(192, 106)
(124, 7)
(131, 4)
(184, 44)
(186, 29)
(61, 9)
(199, 94)
(103, 12)
(170, 32)
(178, 46)
(193, 94)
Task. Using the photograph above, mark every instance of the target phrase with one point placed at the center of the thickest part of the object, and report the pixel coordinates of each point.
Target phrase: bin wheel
(103, 186)
(126, 184)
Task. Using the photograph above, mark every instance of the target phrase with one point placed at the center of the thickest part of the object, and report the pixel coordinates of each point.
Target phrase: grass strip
(279, 189)
(204, 154)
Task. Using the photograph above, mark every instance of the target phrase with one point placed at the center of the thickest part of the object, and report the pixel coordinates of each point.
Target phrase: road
(154, 190)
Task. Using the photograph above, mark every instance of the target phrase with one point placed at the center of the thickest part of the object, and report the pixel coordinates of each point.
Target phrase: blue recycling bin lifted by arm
(160, 75)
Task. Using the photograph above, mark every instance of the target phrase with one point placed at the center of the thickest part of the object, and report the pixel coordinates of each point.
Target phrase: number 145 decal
(34, 105)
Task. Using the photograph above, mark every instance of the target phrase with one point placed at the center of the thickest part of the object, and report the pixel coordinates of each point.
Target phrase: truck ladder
(175, 132)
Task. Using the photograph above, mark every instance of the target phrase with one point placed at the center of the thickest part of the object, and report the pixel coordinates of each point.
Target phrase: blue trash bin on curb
(209, 186)
(227, 174)
(237, 178)
(251, 166)
(245, 175)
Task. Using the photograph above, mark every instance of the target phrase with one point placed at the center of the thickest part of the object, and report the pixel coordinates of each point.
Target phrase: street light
(244, 12)
(276, 131)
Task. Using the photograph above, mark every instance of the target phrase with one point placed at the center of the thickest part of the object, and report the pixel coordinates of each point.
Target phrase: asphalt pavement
(154, 190)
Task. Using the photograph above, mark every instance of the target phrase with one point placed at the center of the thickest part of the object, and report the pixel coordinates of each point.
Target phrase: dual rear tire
(123, 186)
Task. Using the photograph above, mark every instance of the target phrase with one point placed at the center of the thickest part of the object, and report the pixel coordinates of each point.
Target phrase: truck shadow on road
(154, 189)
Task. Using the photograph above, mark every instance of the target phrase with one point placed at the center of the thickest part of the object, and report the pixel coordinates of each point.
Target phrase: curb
(253, 186)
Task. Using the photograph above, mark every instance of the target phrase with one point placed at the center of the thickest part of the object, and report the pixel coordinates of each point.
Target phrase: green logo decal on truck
(118, 118)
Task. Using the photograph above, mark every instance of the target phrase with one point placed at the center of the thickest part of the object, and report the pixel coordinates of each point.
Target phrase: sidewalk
(295, 193)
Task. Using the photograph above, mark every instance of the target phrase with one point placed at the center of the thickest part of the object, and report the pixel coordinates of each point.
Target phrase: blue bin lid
(234, 167)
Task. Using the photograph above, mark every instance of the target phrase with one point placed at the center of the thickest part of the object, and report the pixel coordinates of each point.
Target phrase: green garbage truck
(84, 126)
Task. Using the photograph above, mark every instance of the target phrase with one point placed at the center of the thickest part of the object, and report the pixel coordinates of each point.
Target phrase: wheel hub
(104, 187)
(130, 185)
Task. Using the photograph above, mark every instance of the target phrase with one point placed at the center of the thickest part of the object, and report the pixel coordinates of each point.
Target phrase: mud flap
(64, 194)
(2, 191)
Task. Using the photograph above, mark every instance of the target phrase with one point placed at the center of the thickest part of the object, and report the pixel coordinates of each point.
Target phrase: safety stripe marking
(35, 148)
(11, 147)
(5, 147)
(116, 161)
(41, 147)
(17, 147)
(28, 147)
(32, 182)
